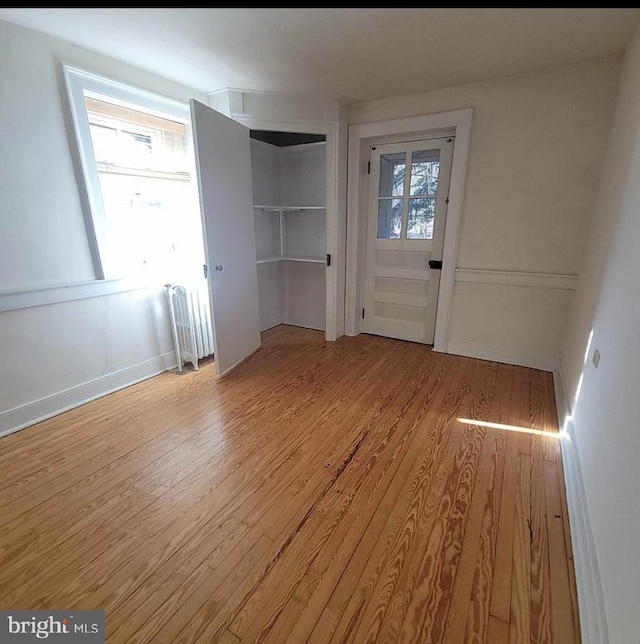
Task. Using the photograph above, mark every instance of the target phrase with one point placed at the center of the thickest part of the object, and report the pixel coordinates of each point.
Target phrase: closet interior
(289, 195)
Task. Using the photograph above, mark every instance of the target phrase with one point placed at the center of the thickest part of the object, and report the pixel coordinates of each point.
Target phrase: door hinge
(328, 259)
(205, 271)
(447, 201)
(363, 314)
(368, 167)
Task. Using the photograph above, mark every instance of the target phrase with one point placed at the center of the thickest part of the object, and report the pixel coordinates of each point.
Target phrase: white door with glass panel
(408, 194)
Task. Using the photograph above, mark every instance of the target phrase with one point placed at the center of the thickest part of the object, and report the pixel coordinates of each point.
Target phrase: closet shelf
(304, 258)
(291, 258)
(288, 208)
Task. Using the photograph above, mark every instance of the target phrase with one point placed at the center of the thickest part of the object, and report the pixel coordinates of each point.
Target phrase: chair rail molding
(517, 278)
(41, 296)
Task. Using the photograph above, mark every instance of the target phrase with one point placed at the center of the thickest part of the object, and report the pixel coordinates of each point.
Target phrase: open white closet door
(223, 164)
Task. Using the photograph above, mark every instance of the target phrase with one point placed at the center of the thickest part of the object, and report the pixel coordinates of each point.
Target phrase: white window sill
(30, 297)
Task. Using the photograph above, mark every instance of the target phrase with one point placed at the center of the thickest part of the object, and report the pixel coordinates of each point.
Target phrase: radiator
(190, 323)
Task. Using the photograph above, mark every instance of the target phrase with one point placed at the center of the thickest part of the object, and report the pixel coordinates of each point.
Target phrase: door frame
(455, 123)
(335, 210)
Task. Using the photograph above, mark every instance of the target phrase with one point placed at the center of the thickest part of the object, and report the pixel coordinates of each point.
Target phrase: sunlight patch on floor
(511, 428)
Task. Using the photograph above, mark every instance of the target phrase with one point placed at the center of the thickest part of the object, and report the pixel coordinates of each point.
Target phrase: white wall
(37, 214)
(57, 355)
(304, 294)
(264, 173)
(607, 411)
(537, 148)
(302, 175)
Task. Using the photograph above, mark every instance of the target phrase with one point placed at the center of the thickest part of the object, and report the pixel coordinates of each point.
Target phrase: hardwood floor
(321, 492)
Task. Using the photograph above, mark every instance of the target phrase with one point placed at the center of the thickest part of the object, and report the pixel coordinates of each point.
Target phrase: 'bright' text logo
(41, 628)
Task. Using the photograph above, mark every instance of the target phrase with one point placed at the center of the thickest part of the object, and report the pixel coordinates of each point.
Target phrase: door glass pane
(392, 168)
(420, 219)
(389, 218)
(424, 172)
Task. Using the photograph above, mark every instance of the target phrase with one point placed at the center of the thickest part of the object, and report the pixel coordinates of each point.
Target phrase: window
(137, 160)
(417, 199)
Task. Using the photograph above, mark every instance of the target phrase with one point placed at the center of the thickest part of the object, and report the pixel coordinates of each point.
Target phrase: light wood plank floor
(321, 492)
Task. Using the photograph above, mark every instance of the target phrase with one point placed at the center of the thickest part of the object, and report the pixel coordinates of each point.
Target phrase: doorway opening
(289, 176)
(444, 125)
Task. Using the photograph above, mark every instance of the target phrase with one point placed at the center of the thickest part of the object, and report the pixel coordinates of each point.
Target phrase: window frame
(81, 83)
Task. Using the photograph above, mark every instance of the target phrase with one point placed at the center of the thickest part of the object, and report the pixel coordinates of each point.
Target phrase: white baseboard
(269, 321)
(307, 321)
(499, 354)
(593, 620)
(38, 410)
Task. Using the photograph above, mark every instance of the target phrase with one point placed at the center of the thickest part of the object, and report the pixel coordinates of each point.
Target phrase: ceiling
(354, 54)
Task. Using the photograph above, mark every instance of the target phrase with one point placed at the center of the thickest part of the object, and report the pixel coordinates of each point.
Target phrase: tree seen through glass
(423, 183)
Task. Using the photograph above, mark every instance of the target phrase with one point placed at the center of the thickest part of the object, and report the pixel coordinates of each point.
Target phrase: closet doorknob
(219, 267)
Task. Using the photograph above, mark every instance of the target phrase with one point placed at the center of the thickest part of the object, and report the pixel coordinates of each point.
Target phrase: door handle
(435, 264)
(219, 268)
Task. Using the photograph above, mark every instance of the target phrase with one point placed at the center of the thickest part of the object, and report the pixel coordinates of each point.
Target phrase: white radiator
(190, 323)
